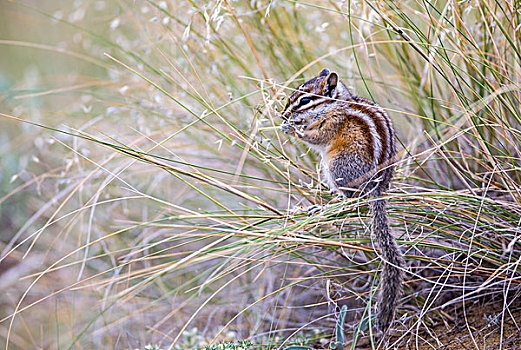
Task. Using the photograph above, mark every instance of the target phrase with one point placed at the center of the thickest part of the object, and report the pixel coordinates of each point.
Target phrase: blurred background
(147, 197)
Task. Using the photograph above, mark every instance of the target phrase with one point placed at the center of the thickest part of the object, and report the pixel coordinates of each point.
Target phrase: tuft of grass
(148, 197)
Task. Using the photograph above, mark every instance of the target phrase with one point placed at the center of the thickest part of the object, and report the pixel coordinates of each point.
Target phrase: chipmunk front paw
(291, 130)
(288, 129)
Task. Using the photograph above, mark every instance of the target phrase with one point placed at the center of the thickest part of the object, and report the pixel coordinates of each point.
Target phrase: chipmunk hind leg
(348, 171)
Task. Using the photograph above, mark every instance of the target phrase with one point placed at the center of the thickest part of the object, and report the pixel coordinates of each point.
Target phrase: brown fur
(356, 140)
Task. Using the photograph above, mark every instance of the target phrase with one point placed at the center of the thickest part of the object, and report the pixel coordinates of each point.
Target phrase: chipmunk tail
(391, 276)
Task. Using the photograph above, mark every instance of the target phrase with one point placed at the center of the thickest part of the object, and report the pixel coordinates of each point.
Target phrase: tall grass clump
(148, 198)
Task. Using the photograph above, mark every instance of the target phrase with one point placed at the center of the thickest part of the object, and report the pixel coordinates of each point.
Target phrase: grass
(148, 198)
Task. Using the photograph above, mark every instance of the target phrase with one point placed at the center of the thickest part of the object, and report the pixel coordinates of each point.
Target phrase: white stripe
(315, 100)
(377, 143)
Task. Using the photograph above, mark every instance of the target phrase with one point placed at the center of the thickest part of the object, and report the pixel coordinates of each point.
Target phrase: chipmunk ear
(329, 86)
(324, 72)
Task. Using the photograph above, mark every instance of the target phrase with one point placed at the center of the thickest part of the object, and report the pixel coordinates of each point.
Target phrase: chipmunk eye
(304, 100)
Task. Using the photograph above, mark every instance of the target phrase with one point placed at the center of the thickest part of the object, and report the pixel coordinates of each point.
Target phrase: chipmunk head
(313, 98)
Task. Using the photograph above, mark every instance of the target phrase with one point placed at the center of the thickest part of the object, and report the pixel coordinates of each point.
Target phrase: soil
(478, 327)
(482, 325)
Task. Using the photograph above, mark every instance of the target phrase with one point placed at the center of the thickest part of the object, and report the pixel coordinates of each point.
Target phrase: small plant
(151, 347)
(338, 343)
(239, 345)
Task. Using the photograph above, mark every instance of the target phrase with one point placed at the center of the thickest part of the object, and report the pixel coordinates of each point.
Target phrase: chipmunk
(356, 140)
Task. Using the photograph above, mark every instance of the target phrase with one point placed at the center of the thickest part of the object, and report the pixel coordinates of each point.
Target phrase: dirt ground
(481, 326)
